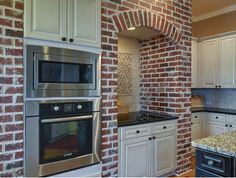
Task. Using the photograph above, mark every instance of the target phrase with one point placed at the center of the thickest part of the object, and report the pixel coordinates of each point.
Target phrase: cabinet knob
(210, 162)
(219, 86)
(230, 126)
(216, 117)
(226, 125)
(195, 116)
(150, 138)
(137, 131)
(153, 137)
(216, 86)
(191, 123)
(164, 127)
(63, 38)
(71, 40)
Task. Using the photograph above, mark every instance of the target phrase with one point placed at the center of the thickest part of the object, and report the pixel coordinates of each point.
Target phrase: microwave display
(62, 72)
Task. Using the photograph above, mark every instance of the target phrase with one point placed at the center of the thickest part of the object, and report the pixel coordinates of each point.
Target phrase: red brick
(13, 146)
(5, 99)
(8, 3)
(6, 137)
(13, 127)
(19, 5)
(6, 22)
(14, 13)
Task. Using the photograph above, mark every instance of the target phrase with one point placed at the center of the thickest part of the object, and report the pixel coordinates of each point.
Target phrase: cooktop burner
(144, 116)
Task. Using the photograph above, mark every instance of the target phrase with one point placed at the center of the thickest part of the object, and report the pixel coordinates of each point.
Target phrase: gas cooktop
(141, 117)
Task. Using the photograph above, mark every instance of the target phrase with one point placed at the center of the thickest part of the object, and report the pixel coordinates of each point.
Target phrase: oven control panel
(65, 108)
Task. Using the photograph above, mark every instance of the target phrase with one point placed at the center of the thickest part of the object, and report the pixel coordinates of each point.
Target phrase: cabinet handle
(137, 131)
(210, 162)
(230, 126)
(150, 138)
(63, 38)
(164, 127)
(226, 125)
(153, 137)
(71, 40)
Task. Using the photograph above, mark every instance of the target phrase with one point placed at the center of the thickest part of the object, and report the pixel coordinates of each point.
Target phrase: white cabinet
(215, 128)
(227, 62)
(164, 150)
(219, 62)
(135, 154)
(220, 123)
(147, 149)
(67, 21)
(196, 126)
(209, 63)
(194, 64)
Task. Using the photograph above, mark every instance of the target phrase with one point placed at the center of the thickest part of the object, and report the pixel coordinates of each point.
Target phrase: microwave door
(61, 73)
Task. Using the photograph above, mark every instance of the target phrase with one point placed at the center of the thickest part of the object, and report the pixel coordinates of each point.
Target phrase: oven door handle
(66, 119)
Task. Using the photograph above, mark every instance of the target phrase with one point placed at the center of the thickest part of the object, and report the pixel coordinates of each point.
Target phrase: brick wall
(11, 88)
(169, 91)
(165, 69)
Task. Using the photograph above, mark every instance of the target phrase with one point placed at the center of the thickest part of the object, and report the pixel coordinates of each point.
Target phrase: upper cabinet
(227, 62)
(217, 63)
(194, 64)
(209, 63)
(67, 21)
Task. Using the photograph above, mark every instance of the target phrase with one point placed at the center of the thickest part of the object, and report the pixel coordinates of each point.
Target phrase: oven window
(58, 72)
(63, 140)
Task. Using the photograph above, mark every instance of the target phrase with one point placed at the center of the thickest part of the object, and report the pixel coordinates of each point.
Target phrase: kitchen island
(216, 155)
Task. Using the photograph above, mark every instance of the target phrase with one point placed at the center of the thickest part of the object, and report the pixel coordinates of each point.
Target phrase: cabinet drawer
(216, 117)
(204, 173)
(134, 131)
(161, 127)
(214, 162)
(232, 119)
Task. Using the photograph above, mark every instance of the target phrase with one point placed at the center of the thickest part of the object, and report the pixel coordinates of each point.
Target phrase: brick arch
(141, 18)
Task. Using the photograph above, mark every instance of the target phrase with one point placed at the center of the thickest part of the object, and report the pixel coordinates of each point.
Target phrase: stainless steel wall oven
(61, 134)
(57, 72)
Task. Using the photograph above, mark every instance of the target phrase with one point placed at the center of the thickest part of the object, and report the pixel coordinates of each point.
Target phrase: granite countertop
(132, 118)
(215, 110)
(224, 143)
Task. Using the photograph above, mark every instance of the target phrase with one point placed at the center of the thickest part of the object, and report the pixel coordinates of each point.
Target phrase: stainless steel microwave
(58, 72)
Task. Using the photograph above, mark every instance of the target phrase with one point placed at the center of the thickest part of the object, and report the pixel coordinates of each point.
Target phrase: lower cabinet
(150, 155)
(135, 155)
(220, 123)
(164, 149)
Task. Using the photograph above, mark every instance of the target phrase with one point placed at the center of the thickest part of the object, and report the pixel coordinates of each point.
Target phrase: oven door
(56, 72)
(65, 138)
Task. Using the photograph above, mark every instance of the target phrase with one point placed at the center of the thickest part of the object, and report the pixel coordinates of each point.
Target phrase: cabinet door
(134, 157)
(196, 128)
(227, 62)
(84, 22)
(209, 63)
(232, 123)
(45, 19)
(194, 64)
(215, 128)
(164, 156)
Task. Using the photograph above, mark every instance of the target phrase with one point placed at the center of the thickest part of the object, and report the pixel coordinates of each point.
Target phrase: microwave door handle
(66, 119)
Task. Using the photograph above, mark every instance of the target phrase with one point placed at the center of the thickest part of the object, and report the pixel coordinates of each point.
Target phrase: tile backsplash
(221, 98)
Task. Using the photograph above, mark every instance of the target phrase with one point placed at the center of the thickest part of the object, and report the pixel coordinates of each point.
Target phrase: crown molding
(214, 13)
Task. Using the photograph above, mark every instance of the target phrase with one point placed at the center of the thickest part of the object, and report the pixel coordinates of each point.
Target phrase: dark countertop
(133, 118)
(214, 110)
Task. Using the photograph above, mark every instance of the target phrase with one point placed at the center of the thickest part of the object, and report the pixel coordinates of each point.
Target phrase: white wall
(131, 102)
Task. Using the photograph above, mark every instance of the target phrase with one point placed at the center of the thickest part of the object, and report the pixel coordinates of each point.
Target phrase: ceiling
(139, 33)
(200, 7)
